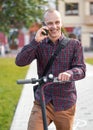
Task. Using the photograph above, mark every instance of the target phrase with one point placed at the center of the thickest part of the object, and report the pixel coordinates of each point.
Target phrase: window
(71, 9)
(91, 8)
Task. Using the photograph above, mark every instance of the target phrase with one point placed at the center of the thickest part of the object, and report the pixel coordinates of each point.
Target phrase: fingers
(39, 35)
(64, 76)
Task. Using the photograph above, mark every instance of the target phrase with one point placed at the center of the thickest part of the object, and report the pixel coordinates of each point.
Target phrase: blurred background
(19, 21)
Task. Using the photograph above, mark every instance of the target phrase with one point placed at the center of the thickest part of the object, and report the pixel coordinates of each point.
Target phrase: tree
(18, 13)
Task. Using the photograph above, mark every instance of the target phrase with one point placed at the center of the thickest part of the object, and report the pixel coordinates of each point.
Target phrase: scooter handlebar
(45, 79)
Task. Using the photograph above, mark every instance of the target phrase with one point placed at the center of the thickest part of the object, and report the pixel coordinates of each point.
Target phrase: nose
(54, 25)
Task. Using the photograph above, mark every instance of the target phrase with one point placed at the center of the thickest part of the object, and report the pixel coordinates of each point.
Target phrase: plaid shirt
(69, 59)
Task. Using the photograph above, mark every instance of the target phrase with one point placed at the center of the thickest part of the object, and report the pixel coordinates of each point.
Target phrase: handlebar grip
(24, 81)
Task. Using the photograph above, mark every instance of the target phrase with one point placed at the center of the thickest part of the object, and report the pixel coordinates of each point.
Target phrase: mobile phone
(45, 32)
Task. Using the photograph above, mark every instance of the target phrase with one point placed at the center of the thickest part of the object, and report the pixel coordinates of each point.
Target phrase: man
(68, 65)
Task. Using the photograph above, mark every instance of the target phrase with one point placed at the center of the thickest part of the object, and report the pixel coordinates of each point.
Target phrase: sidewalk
(84, 113)
(25, 103)
(88, 54)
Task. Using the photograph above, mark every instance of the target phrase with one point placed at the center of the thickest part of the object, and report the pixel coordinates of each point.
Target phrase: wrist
(37, 39)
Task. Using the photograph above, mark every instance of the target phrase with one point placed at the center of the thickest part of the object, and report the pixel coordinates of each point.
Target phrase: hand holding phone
(41, 33)
(45, 32)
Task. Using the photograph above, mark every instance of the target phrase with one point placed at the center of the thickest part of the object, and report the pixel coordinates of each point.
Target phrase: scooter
(42, 83)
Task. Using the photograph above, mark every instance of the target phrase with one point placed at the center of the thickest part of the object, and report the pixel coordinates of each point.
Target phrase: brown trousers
(63, 120)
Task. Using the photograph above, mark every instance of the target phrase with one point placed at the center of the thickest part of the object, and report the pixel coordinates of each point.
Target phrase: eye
(57, 22)
(49, 23)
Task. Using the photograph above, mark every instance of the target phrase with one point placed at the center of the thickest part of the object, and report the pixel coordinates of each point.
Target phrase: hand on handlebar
(64, 77)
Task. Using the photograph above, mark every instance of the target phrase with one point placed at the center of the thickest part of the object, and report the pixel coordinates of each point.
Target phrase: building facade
(77, 16)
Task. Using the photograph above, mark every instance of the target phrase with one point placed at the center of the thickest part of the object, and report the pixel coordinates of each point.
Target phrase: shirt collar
(59, 39)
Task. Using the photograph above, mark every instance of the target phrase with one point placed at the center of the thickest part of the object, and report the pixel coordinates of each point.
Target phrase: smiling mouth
(54, 31)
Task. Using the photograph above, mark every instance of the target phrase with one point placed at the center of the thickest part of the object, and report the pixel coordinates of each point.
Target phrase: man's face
(53, 22)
